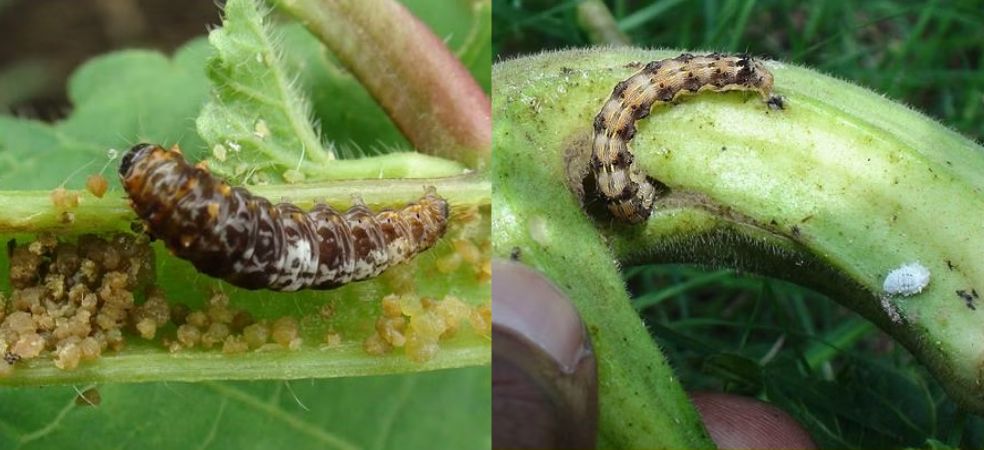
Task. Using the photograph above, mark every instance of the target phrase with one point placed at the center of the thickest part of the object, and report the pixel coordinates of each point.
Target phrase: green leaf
(257, 111)
(260, 122)
(449, 409)
(120, 99)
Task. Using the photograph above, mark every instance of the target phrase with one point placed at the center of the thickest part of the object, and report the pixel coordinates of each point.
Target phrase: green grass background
(845, 380)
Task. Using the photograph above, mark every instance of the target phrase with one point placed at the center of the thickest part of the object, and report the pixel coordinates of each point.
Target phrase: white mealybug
(908, 279)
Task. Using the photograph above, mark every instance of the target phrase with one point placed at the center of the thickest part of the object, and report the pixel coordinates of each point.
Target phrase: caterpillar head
(136, 153)
(755, 73)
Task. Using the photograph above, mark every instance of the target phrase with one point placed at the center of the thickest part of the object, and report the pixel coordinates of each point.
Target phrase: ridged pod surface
(227, 232)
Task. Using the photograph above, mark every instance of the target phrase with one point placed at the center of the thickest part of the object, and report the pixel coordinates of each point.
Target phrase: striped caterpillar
(628, 193)
(231, 234)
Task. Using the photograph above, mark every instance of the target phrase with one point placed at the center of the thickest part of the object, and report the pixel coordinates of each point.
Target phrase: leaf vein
(275, 412)
(386, 423)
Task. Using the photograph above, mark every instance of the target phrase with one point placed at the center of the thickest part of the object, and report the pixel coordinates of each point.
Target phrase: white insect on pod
(908, 279)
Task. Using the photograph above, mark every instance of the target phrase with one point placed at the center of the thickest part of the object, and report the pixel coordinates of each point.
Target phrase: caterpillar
(228, 233)
(628, 193)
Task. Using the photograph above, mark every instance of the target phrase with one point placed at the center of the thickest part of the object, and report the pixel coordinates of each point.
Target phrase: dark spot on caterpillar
(653, 66)
(643, 111)
(11, 358)
(950, 265)
(692, 84)
(665, 94)
(626, 133)
(599, 123)
(566, 70)
(795, 230)
(620, 89)
(595, 163)
(623, 159)
(629, 194)
(228, 233)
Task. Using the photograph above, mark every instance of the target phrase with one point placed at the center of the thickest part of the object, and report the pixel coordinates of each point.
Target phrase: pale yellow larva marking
(628, 192)
(213, 209)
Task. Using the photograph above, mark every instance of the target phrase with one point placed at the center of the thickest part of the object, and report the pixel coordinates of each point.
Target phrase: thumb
(544, 379)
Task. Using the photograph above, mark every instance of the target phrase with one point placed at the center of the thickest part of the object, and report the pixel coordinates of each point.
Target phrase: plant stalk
(422, 86)
(834, 192)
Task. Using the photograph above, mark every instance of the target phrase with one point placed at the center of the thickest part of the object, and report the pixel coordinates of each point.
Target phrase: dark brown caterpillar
(628, 192)
(228, 233)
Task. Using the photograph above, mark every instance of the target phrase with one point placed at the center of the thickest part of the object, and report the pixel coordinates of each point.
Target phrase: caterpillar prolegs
(229, 233)
(628, 193)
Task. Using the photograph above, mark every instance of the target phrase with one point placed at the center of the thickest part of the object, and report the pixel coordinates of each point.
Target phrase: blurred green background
(845, 380)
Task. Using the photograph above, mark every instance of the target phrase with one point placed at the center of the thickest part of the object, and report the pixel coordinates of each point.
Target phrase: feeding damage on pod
(907, 280)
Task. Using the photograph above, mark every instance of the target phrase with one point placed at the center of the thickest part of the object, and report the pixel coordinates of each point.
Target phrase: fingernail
(544, 377)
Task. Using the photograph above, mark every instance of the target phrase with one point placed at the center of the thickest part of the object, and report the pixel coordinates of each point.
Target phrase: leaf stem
(297, 116)
(411, 73)
(136, 365)
(33, 211)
